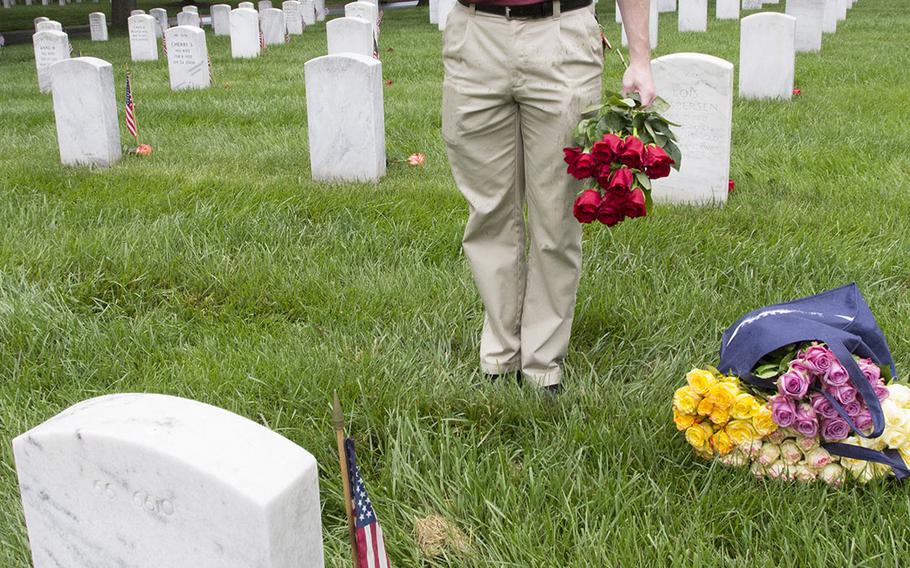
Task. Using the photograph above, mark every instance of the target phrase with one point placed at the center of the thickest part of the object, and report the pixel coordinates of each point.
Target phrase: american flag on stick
(370, 545)
(261, 42)
(130, 107)
(163, 46)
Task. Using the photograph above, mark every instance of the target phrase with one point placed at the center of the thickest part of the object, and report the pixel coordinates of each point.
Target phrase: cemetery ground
(215, 269)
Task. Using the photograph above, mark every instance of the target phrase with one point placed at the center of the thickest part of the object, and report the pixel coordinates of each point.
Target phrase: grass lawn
(215, 269)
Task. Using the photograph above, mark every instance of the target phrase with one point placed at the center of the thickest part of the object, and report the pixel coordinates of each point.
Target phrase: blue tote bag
(842, 320)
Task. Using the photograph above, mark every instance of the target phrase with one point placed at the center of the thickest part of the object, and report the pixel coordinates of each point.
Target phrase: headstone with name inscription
(143, 45)
(767, 56)
(50, 47)
(245, 33)
(271, 21)
(221, 19)
(699, 89)
(293, 19)
(350, 35)
(809, 16)
(346, 124)
(88, 134)
(97, 23)
(155, 481)
(40, 19)
(160, 15)
(49, 25)
(187, 58)
(693, 16)
(727, 10)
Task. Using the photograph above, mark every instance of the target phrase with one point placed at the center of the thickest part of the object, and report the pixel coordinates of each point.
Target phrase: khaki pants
(513, 92)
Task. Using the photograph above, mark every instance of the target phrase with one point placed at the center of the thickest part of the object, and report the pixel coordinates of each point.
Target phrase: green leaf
(672, 150)
(649, 203)
(643, 180)
(659, 105)
(766, 371)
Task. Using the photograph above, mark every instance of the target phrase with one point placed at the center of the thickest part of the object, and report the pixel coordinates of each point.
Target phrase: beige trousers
(513, 92)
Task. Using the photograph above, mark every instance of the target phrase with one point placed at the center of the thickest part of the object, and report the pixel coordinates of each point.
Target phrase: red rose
(634, 205)
(730, 186)
(632, 152)
(571, 155)
(610, 211)
(608, 149)
(586, 205)
(656, 162)
(602, 174)
(583, 166)
(621, 180)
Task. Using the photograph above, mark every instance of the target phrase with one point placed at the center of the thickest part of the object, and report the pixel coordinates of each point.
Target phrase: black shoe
(493, 377)
(553, 389)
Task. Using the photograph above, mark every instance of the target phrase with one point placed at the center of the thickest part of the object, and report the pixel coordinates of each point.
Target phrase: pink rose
(800, 366)
(837, 375)
(881, 391)
(783, 410)
(821, 405)
(806, 422)
(793, 384)
(819, 358)
(844, 394)
(807, 444)
(870, 370)
(818, 458)
(835, 429)
(853, 409)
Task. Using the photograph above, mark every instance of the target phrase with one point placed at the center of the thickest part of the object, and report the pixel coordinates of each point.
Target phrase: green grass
(215, 269)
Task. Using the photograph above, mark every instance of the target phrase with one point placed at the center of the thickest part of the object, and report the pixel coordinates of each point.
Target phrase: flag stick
(338, 423)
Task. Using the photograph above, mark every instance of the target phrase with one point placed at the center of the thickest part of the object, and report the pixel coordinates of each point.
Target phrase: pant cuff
(541, 380)
(498, 368)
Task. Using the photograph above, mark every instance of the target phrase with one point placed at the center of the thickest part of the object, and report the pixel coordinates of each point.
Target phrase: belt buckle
(508, 12)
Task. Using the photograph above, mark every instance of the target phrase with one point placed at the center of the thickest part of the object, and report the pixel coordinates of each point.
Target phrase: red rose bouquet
(622, 146)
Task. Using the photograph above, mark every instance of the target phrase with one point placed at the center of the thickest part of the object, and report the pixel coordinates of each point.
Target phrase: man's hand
(637, 79)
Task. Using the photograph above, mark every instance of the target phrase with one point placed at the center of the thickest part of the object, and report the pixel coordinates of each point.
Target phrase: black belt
(529, 11)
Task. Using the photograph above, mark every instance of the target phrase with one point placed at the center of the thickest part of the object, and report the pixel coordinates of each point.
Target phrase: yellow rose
(705, 407)
(685, 401)
(698, 435)
(745, 407)
(719, 416)
(896, 437)
(722, 395)
(741, 431)
(763, 422)
(700, 381)
(722, 443)
(683, 421)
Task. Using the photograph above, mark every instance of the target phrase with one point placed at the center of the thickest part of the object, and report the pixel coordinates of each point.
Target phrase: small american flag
(130, 109)
(163, 46)
(371, 551)
(261, 42)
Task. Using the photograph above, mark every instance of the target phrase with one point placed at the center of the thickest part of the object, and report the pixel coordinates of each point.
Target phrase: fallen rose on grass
(143, 150)
(416, 159)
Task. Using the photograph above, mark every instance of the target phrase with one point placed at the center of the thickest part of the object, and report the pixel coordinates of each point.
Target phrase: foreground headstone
(272, 22)
(49, 26)
(187, 58)
(829, 20)
(809, 16)
(160, 15)
(345, 117)
(693, 15)
(221, 19)
(653, 26)
(50, 47)
(245, 33)
(153, 481)
(189, 19)
(308, 12)
(88, 133)
(727, 10)
(350, 35)
(767, 56)
(97, 23)
(293, 19)
(699, 89)
(143, 46)
(445, 8)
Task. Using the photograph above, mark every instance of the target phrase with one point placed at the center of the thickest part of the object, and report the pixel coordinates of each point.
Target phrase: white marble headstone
(445, 8)
(191, 8)
(653, 26)
(137, 12)
(97, 23)
(727, 10)
(434, 11)
(308, 12)
(265, 5)
(752, 4)
(221, 19)
(88, 133)
(247, 5)
(50, 47)
(366, 10)
(809, 16)
(666, 6)
(829, 19)
(841, 10)
(350, 35)
(321, 12)
(693, 15)
(271, 20)
(49, 26)
(293, 19)
(244, 33)
(345, 117)
(699, 89)
(187, 58)
(153, 481)
(160, 15)
(767, 56)
(45, 2)
(40, 19)
(143, 44)
(189, 19)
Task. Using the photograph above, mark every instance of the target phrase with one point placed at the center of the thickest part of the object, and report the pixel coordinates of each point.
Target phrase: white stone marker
(829, 20)
(293, 19)
(767, 56)
(666, 6)
(350, 35)
(308, 12)
(40, 19)
(727, 10)
(160, 15)
(265, 5)
(247, 5)
(752, 4)
(320, 10)
(366, 10)
(699, 89)
(244, 33)
(62, 2)
(841, 10)
(221, 19)
(191, 8)
(49, 26)
(143, 46)
(693, 16)
(617, 16)
(97, 23)
(653, 26)
(88, 133)
(45, 2)
(809, 16)
(187, 58)
(137, 12)
(345, 117)
(271, 21)
(153, 481)
(189, 19)
(445, 7)
(50, 47)
(434, 11)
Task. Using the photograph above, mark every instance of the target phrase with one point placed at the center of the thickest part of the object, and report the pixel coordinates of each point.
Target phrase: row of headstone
(11, 3)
